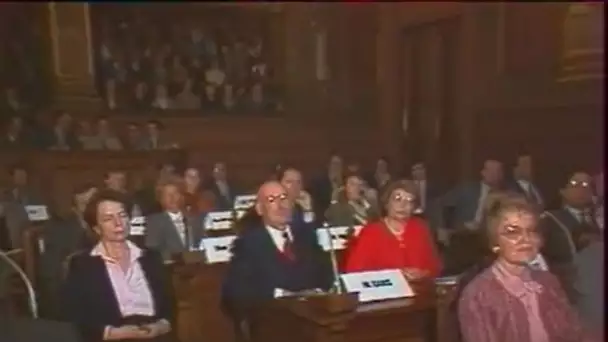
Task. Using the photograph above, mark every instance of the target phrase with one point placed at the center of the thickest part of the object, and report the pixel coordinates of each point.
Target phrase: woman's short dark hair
(403, 184)
(106, 195)
(350, 174)
(280, 171)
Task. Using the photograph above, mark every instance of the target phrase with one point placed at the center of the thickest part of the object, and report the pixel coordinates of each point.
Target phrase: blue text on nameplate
(378, 285)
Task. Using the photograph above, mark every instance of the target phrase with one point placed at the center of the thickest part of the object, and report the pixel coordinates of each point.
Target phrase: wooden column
(72, 53)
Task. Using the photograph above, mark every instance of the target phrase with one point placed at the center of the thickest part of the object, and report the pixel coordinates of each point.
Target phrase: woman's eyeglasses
(516, 233)
(402, 198)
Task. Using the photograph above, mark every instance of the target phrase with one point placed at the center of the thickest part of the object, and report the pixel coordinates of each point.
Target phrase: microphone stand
(336, 287)
(33, 306)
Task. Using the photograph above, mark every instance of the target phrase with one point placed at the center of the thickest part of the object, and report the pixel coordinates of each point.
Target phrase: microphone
(6, 256)
(336, 287)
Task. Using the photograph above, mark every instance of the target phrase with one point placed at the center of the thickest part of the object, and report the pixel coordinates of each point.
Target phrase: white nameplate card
(309, 216)
(240, 214)
(138, 225)
(377, 285)
(36, 213)
(219, 220)
(338, 235)
(244, 202)
(217, 249)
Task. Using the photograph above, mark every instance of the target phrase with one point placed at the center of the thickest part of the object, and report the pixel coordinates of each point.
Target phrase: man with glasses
(569, 229)
(272, 258)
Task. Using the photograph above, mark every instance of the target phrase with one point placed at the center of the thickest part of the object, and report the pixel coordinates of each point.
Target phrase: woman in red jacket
(398, 240)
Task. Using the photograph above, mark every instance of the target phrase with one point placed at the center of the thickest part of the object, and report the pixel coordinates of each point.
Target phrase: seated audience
(589, 285)
(14, 201)
(62, 136)
(15, 135)
(63, 237)
(351, 208)
(405, 240)
(523, 180)
(134, 140)
(271, 256)
(509, 301)
(154, 139)
(427, 190)
(173, 230)
(86, 138)
(106, 138)
(598, 200)
(117, 291)
(381, 176)
(198, 201)
(291, 179)
(328, 184)
(221, 187)
(465, 202)
(569, 229)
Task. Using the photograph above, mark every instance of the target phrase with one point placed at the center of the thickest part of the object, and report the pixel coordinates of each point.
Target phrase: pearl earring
(495, 249)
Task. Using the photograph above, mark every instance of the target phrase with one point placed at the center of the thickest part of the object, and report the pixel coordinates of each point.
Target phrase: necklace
(397, 233)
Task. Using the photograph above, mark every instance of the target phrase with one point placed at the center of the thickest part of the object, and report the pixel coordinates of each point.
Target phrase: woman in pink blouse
(508, 301)
(117, 291)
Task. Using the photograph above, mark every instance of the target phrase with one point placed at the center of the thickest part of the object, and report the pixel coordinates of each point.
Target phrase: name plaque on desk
(244, 202)
(217, 249)
(339, 236)
(138, 226)
(219, 220)
(37, 213)
(377, 285)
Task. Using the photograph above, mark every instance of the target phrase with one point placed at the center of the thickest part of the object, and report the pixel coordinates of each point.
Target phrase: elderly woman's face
(353, 188)
(112, 221)
(400, 204)
(518, 237)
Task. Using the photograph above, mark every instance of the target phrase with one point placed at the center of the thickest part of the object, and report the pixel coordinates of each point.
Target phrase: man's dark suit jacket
(321, 190)
(257, 268)
(89, 299)
(463, 200)
(221, 202)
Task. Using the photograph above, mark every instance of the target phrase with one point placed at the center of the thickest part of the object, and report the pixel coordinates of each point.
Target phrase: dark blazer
(221, 202)
(463, 200)
(257, 268)
(515, 186)
(89, 299)
(321, 190)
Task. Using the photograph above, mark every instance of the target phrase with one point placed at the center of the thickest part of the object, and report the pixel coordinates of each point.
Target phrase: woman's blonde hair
(502, 203)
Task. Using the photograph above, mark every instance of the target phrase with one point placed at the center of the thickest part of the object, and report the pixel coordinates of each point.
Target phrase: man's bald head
(273, 205)
(492, 173)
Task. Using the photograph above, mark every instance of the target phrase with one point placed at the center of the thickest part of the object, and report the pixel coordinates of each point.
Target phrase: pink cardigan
(488, 312)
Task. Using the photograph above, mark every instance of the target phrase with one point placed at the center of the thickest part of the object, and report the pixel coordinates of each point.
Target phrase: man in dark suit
(172, 230)
(63, 237)
(273, 256)
(426, 190)
(327, 185)
(462, 235)
(523, 180)
(569, 229)
(220, 186)
(466, 201)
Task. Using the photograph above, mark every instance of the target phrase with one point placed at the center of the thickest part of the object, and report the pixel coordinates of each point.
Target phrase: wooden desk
(403, 320)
